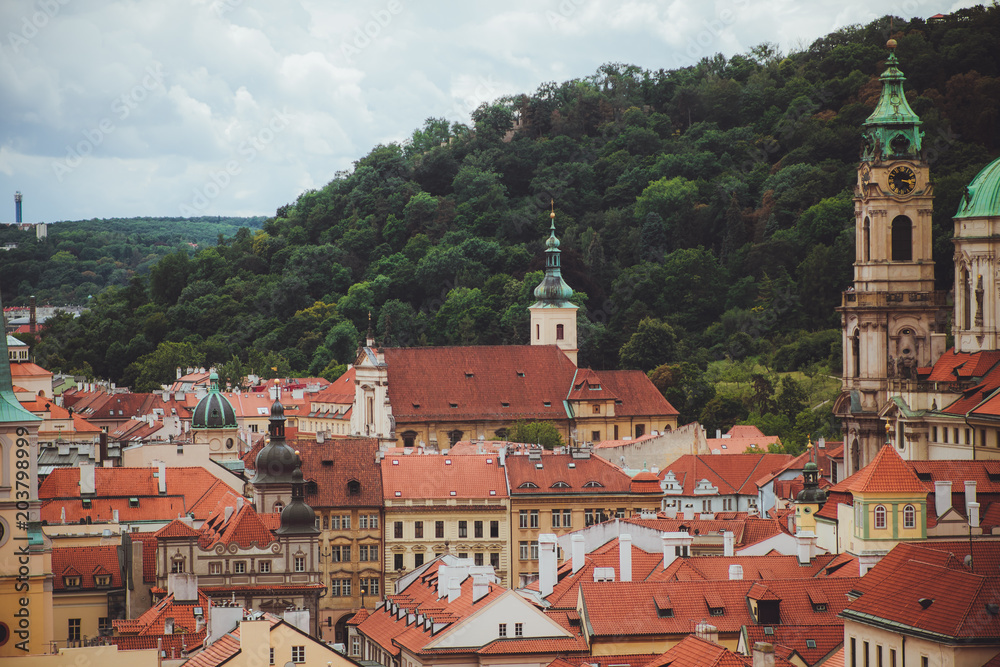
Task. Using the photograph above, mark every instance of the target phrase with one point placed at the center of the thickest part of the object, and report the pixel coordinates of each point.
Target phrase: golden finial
(552, 203)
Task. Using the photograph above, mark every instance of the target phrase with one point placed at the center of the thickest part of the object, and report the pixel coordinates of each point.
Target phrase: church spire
(553, 315)
(893, 129)
(552, 292)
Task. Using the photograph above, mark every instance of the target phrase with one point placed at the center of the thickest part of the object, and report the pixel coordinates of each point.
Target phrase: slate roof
(333, 464)
(563, 469)
(729, 474)
(443, 476)
(87, 563)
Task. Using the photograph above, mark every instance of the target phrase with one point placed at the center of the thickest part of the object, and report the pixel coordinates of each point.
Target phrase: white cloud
(348, 76)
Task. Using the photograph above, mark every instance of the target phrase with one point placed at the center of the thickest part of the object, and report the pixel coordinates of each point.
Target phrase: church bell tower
(892, 318)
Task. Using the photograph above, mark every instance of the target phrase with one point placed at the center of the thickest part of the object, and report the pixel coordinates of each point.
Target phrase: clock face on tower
(902, 180)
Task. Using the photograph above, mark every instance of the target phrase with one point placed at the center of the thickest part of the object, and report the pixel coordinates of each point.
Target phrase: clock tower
(892, 318)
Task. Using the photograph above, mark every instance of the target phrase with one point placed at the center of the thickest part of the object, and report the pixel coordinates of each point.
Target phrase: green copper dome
(214, 410)
(892, 131)
(981, 198)
(553, 292)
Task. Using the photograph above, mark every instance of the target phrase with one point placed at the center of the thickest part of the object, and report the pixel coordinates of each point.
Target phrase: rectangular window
(346, 522)
(264, 566)
(418, 559)
(557, 518)
(534, 550)
(335, 522)
(502, 630)
(519, 629)
(418, 529)
(495, 560)
(355, 645)
(345, 553)
(74, 630)
(934, 434)
(892, 657)
(982, 437)
(588, 517)
(271, 658)
(239, 567)
(854, 652)
(373, 521)
(298, 654)
(620, 513)
(968, 437)
(439, 529)
(363, 522)
(534, 518)
(865, 644)
(397, 530)
(597, 411)
(494, 529)
(706, 505)
(478, 557)
(523, 517)
(215, 568)
(567, 520)
(595, 436)
(300, 564)
(878, 655)
(104, 625)
(954, 432)
(369, 586)
(397, 561)
(177, 566)
(523, 552)
(463, 528)
(477, 529)
(363, 552)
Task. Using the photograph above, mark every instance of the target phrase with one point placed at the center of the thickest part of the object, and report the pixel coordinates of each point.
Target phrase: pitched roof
(729, 474)
(766, 567)
(176, 528)
(639, 397)
(244, 528)
(87, 563)
(226, 646)
(925, 597)
(564, 474)
(443, 476)
(695, 651)
(564, 593)
(150, 625)
(887, 473)
(332, 465)
(826, 639)
(953, 366)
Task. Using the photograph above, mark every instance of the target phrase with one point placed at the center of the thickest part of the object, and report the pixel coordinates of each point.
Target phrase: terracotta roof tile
(729, 474)
(694, 651)
(443, 476)
(87, 563)
(334, 464)
(564, 474)
(886, 473)
(176, 528)
(827, 639)
(768, 566)
(224, 648)
(148, 555)
(638, 396)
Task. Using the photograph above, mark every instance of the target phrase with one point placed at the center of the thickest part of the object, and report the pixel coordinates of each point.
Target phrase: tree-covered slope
(705, 214)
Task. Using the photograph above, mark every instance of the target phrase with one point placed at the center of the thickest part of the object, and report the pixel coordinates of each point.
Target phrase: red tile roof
(150, 625)
(564, 593)
(827, 638)
(225, 647)
(767, 567)
(563, 474)
(729, 474)
(148, 555)
(953, 366)
(333, 465)
(887, 473)
(87, 563)
(628, 609)
(244, 528)
(638, 396)
(176, 528)
(954, 602)
(694, 651)
(443, 476)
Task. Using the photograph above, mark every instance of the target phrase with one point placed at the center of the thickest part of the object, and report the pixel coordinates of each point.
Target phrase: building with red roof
(704, 484)
(451, 610)
(88, 592)
(924, 602)
(436, 504)
(557, 493)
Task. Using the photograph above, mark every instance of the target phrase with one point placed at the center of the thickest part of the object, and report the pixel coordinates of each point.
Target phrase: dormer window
(102, 580)
(72, 581)
(354, 488)
(593, 484)
(716, 611)
(528, 485)
(133, 502)
(560, 485)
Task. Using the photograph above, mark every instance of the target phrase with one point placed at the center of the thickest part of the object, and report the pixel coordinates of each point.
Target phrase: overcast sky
(234, 107)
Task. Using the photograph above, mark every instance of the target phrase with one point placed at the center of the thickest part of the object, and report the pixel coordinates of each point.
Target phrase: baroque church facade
(901, 382)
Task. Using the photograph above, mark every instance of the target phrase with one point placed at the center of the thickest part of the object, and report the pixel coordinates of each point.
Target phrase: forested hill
(80, 258)
(704, 213)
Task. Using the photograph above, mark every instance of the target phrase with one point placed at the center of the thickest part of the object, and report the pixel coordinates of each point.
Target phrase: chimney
(297, 618)
(973, 515)
(970, 492)
(115, 516)
(718, 434)
(62, 515)
(579, 552)
(547, 565)
(239, 503)
(675, 545)
(161, 478)
(454, 588)
(942, 498)
(625, 557)
(255, 642)
(87, 483)
(805, 541)
(727, 543)
(183, 586)
(442, 580)
(168, 626)
(480, 586)
(735, 572)
(763, 654)
(707, 631)
(222, 620)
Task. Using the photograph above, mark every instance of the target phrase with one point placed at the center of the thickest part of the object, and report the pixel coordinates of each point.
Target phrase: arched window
(879, 516)
(560, 333)
(867, 240)
(856, 352)
(902, 239)
(909, 516)
(278, 506)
